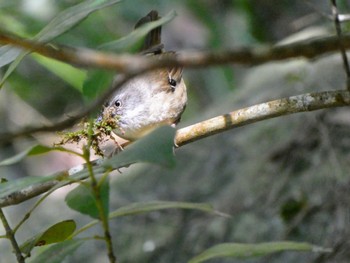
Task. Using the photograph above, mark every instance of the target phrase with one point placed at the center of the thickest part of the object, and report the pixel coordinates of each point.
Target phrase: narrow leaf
(129, 41)
(82, 199)
(146, 207)
(56, 253)
(71, 17)
(63, 22)
(34, 150)
(73, 76)
(156, 147)
(8, 54)
(54, 234)
(243, 251)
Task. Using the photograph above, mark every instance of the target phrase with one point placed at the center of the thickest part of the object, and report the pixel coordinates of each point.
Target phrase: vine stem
(11, 236)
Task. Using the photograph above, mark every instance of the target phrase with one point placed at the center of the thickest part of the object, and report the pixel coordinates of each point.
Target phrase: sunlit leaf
(129, 41)
(243, 251)
(54, 234)
(156, 147)
(34, 150)
(73, 76)
(83, 200)
(57, 252)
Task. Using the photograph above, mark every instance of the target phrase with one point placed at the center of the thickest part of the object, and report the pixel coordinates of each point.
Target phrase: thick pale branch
(241, 117)
(263, 111)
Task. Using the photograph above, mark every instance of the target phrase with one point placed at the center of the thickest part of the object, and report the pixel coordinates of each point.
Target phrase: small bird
(151, 99)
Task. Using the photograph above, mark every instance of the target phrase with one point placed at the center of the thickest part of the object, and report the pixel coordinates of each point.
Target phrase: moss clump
(95, 132)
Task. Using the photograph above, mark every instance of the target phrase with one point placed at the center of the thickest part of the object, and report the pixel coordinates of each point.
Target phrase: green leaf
(54, 234)
(128, 42)
(56, 253)
(73, 76)
(97, 81)
(243, 251)
(83, 200)
(63, 22)
(16, 60)
(156, 147)
(8, 54)
(11, 187)
(70, 17)
(146, 207)
(34, 150)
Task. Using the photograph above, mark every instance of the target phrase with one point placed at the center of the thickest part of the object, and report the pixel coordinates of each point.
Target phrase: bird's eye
(172, 82)
(118, 103)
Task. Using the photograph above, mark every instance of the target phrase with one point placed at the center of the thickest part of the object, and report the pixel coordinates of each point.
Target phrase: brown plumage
(151, 99)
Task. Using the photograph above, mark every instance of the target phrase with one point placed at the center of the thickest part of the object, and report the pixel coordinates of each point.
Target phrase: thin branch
(131, 64)
(341, 46)
(11, 236)
(267, 110)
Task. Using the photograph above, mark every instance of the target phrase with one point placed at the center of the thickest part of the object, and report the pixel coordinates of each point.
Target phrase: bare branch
(263, 111)
(267, 110)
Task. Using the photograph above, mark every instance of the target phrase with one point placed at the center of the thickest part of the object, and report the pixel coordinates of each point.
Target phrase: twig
(11, 236)
(341, 46)
(294, 104)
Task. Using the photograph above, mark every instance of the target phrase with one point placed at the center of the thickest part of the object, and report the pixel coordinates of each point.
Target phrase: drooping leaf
(63, 22)
(243, 251)
(83, 200)
(57, 252)
(16, 60)
(129, 42)
(147, 207)
(156, 147)
(70, 17)
(73, 76)
(8, 54)
(54, 234)
(34, 150)
(96, 82)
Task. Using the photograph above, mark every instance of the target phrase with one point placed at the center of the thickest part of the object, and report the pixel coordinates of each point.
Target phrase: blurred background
(280, 179)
